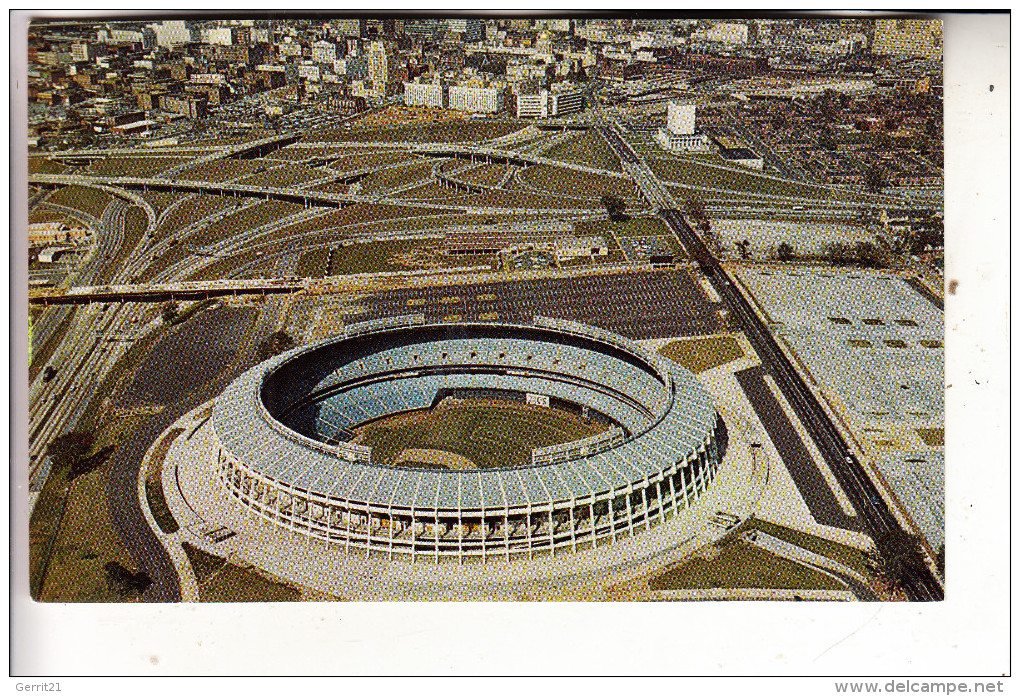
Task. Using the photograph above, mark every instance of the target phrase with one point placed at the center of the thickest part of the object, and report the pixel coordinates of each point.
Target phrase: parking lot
(650, 304)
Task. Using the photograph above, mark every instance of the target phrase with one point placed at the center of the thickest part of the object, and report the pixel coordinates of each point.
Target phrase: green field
(700, 354)
(221, 581)
(133, 166)
(444, 132)
(489, 433)
(560, 180)
(588, 148)
(631, 227)
(933, 437)
(696, 174)
(83, 198)
(739, 565)
(402, 255)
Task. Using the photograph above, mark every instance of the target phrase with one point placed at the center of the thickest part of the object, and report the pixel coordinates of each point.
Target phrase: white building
(174, 33)
(83, 52)
(479, 100)
(727, 32)
(472, 29)
(221, 36)
(324, 52)
(546, 104)
(679, 133)
(680, 117)
(425, 94)
(380, 61)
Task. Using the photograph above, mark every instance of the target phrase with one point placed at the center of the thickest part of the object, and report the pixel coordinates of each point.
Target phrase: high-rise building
(174, 33)
(471, 29)
(424, 94)
(323, 52)
(908, 37)
(680, 117)
(380, 65)
(479, 100)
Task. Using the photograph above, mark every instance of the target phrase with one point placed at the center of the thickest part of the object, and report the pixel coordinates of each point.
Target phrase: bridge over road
(189, 290)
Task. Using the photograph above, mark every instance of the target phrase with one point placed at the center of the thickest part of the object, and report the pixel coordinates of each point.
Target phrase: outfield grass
(700, 354)
(588, 148)
(739, 565)
(489, 433)
(222, 581)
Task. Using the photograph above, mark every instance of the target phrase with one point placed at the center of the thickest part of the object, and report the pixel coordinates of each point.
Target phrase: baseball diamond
(285, 432)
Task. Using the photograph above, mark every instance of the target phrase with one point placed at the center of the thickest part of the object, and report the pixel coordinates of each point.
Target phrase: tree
(897, 556)
(695, 208)
(68, 448)
(874, 177)
(826, 140)
(170, 312)
(122, 581)
(744, 248)
(614, 206)
(784, 251)
(866, 253)
(940, 560)
(276, 343)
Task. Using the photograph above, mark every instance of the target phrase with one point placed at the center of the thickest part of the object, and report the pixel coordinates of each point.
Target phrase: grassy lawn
(312, 264)
(692, 173)
(363, 160)
(223, 170)
(631, 227)
(700, 354)
(194, 209)
(134, 166)
(490, 434)
(847, 555)
(135, 224)
(740, 565)
(401, 255)
(41, 165)
(37, 215)
(588, 148)
(160, 200)
(487, 174)
(82, 535)
(514, 199)
(246, 219)
(574, 183)
(933, 437)
(154, 484)
(396, 177)
(222, 581)
(84, 198)
(285, 176)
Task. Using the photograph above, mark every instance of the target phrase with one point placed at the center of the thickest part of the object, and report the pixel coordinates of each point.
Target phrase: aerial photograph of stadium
(396, 307)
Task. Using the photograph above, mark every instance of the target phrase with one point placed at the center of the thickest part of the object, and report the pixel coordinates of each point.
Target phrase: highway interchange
(86, 354)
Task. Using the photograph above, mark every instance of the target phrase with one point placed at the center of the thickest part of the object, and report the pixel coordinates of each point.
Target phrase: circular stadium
(478, 441)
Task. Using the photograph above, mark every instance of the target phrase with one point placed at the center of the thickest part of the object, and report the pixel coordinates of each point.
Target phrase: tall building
(479, 100)
(547, 104)
(471, 29)
(323, 52)
(680, 117)
(908, 37)
(680, 133)
(424, 94)
(174, 33)
(380, 65)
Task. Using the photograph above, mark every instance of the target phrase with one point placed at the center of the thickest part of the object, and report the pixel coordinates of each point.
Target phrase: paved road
(813, 488)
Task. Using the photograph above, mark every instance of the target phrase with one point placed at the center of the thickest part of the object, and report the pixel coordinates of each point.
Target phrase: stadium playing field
(482, 434)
